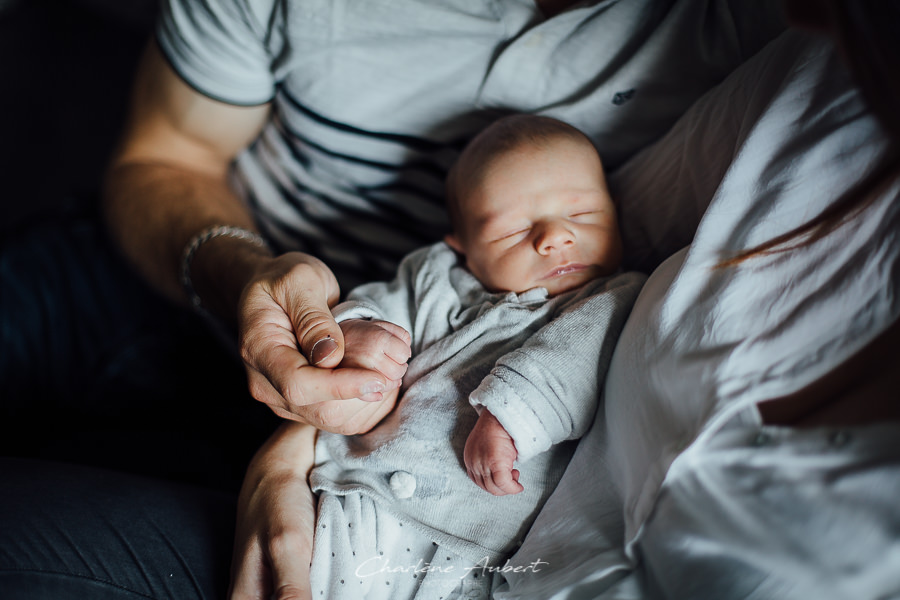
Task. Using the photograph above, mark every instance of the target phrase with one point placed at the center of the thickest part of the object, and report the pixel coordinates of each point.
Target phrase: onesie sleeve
(410, 300)
(219, 47)
(383, 300)
(547, 390)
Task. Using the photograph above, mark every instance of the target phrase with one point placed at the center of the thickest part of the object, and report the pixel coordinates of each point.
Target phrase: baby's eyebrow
(486, 220)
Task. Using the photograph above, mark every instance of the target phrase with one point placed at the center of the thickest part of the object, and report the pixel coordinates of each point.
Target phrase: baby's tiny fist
(489, 455)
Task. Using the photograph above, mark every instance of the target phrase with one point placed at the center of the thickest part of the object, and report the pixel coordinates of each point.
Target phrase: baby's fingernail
(372, 387)
(323, 349)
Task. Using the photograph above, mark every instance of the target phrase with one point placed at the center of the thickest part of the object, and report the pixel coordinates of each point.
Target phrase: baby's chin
(557, 290)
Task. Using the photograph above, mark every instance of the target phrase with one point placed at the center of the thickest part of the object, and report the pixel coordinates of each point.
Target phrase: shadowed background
(65, 75)
(65, 72)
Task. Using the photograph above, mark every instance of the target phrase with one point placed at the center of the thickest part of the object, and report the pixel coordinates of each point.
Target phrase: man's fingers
(298, 385)
(342, 383)
(250, 576)
(263, 391)
(349, 417)
(290, 568)
(290, 302)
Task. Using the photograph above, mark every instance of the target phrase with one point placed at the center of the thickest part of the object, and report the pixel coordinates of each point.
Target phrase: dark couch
(66, 68)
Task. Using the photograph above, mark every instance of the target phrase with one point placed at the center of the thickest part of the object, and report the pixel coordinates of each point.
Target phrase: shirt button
(839, 438)
(403, 484)
(762, 438)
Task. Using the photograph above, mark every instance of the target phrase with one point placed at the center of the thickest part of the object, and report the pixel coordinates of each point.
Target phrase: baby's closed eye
(512, 236)
(584, 215)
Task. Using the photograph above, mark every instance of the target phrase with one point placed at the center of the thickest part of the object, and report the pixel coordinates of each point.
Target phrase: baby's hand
(489, 456)
(378, 346)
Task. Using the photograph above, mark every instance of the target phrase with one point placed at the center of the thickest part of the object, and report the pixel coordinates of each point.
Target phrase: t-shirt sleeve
(219, 47)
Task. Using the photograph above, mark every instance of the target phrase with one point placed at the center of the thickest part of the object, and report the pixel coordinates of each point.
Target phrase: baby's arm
(489, 456)
(379, 346)
(547, 390)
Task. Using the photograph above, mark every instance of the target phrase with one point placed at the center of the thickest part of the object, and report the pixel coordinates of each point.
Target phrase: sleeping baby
(510, 324)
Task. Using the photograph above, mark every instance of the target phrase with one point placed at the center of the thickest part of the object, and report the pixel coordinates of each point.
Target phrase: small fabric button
(761, 439)
(839, 438)
(403, 484)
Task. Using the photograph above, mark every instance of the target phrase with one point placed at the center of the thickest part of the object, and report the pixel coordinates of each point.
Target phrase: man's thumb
(326, 352)
(320, 339)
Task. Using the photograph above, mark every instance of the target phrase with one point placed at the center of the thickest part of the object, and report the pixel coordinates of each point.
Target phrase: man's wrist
(287, 454)
(205, 236)
(217, 265)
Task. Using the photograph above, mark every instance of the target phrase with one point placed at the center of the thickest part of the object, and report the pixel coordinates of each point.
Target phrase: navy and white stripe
(359, 201)
(373, 99)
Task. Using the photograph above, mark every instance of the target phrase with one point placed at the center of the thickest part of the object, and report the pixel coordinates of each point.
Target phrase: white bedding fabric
(674, 492)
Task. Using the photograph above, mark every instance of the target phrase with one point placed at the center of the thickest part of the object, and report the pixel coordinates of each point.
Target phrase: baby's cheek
(513, 273)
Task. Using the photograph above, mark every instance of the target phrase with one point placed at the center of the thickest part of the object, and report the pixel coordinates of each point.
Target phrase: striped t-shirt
(372, 100)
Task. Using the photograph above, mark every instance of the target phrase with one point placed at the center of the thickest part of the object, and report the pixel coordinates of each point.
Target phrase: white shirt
(677, 491)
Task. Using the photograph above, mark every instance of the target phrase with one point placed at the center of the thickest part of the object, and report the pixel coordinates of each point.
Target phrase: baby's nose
(554, 235)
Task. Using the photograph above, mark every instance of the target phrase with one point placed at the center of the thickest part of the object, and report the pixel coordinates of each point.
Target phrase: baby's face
(540, 217)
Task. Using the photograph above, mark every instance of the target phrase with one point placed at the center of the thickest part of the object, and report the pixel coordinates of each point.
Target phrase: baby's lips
(565, 270)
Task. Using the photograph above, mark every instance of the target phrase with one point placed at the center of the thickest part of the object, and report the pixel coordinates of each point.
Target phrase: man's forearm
(167, 183)
(153, 210)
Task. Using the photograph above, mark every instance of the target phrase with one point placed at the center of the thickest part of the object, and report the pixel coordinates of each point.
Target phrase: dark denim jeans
(96, 369)
(74, 532)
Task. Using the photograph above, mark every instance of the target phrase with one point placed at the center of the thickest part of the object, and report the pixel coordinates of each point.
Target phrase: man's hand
(275, 520)
(489, 456)
(291, 347)
(167, 182)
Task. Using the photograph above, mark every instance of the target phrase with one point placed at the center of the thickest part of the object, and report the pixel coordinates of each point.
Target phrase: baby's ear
(452, 240)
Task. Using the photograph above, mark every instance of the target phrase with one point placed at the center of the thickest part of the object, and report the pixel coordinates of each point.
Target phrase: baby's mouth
(565, 270)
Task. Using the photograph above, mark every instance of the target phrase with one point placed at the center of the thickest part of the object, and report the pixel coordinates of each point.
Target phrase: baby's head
(529, 207)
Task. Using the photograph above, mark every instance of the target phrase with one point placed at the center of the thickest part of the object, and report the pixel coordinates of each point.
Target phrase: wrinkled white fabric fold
(780, 140)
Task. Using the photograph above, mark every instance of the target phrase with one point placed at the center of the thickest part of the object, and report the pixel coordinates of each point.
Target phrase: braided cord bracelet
(201, 238)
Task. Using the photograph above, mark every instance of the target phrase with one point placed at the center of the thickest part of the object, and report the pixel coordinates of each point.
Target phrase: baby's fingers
(377, 346)
(397, 345)
(505, 481)
(498, 483)
(396, 331)
(477, 479)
